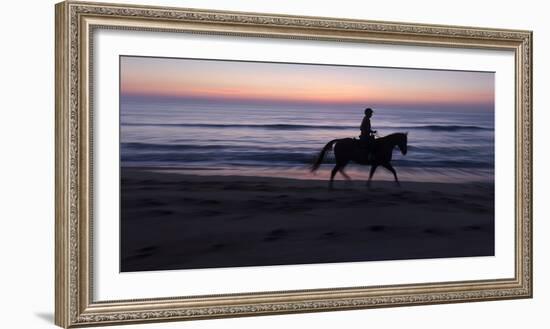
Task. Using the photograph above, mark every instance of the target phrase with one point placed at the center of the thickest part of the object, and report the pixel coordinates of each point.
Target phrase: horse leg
(390, 168)
(332, 174)
(346, 176)
(372, 170)
(343, 172)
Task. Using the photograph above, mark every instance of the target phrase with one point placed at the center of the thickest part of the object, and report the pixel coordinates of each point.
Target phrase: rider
(367, 134)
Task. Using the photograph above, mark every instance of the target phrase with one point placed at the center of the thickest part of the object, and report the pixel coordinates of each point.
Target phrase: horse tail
(321, 155)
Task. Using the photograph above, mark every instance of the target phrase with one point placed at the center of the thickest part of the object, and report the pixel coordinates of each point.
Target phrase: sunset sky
(274, 83)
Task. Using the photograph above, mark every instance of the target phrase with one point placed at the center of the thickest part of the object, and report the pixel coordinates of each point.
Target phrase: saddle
(366, 147)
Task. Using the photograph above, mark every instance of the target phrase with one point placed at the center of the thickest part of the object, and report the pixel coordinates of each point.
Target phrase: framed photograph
(217, 164)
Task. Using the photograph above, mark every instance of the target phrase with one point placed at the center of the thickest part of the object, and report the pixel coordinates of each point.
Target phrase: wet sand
(185, 221)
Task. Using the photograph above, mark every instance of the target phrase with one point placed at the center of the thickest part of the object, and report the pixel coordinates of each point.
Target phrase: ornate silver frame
(76, 21)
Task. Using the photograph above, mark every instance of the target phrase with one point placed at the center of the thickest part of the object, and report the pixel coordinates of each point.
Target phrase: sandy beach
(183, 221)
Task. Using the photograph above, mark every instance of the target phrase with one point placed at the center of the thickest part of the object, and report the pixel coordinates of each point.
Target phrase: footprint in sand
(151, 202)
(330, 235)
(436, 232)
(376, 228)
(209, 202)
(276, 234)
(161, 212)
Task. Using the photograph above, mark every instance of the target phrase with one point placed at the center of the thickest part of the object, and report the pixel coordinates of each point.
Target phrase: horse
(349, 149)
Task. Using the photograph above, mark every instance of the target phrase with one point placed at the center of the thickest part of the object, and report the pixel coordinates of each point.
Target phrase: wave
(473, 149)
(174, 147)
(278, 126)
(445, 127)
(253, 158)
(281, 160)
(214, 155)
(155, 147)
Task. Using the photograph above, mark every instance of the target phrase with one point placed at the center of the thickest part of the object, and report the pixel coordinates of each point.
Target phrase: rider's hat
(368, 110)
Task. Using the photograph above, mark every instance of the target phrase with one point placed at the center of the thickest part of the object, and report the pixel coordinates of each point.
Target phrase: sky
(304, 84)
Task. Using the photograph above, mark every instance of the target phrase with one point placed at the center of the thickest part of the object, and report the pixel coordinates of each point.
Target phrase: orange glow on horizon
(302, 83)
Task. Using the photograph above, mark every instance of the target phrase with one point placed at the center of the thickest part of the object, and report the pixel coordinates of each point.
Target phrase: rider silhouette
(367, 134)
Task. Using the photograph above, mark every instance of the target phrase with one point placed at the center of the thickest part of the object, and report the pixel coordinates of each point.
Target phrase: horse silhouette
(349, 149)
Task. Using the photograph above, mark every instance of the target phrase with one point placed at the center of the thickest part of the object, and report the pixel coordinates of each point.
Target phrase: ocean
(283, 140)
